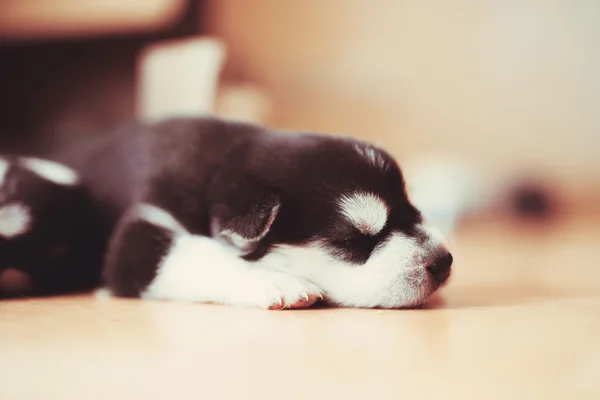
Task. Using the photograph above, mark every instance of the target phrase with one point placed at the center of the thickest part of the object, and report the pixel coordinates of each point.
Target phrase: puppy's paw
(305, 302)
(283, 291)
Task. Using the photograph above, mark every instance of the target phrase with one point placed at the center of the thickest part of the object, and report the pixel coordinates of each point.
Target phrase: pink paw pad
(304, 302)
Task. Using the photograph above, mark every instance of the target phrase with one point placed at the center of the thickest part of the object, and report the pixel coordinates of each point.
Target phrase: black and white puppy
(46, 228)
(207, 210)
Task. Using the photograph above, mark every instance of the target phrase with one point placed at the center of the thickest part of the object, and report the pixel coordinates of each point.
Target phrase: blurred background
(504, 89)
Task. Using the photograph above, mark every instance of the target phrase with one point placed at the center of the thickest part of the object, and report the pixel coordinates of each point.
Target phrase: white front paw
(278, 290)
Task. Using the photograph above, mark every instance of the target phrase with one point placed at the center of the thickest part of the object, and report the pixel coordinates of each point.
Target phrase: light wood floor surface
(519, 320)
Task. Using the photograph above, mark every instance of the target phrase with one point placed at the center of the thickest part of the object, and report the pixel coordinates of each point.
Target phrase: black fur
(135, 244)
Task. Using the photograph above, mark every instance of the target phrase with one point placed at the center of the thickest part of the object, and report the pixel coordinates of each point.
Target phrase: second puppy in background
(48, 233)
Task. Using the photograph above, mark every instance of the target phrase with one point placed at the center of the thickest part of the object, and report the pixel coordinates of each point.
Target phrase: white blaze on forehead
(50, 170)
(14, 220)
(366, 211)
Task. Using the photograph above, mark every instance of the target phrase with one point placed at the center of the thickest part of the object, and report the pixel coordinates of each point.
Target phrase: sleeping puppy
(46, 230)
(205, 210)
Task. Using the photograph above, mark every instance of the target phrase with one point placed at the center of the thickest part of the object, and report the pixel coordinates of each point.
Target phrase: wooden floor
(520, 320)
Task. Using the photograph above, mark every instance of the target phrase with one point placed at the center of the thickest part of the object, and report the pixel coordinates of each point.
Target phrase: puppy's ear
(245, 216)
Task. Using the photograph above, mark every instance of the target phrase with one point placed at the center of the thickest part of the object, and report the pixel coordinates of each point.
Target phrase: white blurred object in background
(179, 78)
(446, 189)
(244, 102)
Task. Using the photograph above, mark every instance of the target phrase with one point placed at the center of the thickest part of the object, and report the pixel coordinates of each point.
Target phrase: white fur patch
(4, 165)
(15, 219)
(366, 211)
(201, 269)
(157, 216)
(372, 155)
(50, 170)
(394, 276)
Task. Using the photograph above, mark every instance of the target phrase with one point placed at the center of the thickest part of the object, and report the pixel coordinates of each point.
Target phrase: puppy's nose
(440, 269)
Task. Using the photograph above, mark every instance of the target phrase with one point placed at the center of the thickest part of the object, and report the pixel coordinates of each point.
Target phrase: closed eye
(356, 250)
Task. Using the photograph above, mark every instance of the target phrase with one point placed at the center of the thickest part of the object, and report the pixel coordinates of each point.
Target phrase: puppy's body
(213, 211)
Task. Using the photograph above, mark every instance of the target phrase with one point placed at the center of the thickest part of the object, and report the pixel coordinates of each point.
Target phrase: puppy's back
(117, 166)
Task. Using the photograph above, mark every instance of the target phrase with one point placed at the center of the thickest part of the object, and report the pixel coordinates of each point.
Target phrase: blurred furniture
(59, 19)
(70, 68)
(60, 84)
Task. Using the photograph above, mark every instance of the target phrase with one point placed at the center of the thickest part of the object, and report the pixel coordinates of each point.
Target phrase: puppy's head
(334, 211)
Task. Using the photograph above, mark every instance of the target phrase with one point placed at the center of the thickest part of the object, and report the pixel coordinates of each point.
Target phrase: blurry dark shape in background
(57, 88)
(534, 201)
